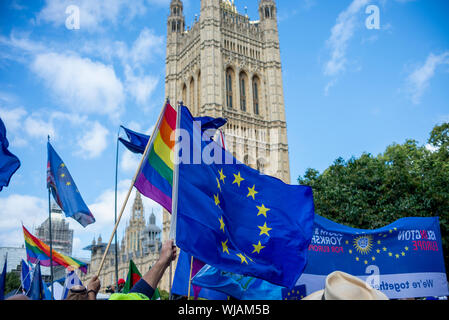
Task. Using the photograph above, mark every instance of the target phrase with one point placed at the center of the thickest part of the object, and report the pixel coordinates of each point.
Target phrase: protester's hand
(94, 284)
(168, 252)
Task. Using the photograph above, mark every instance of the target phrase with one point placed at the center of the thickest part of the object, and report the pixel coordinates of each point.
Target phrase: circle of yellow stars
(380, 250)
(262, 211)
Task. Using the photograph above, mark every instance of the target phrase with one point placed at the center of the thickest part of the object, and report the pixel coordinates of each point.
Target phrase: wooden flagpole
(150, 143)
(172, 233)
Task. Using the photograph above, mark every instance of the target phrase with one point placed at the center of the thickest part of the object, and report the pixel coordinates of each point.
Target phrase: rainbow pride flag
(38, 251)
(155, 178)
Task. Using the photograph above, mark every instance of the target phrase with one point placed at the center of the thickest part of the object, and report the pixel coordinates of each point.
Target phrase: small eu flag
(64, 190)
(236, 219)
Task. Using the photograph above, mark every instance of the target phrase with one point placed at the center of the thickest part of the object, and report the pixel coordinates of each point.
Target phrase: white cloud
(341, 34)
(418, 81)
(80, 84)
(146, 46)
(130, 161)
(38, 128)
(93, 142)
(16, 209)
(140, 87)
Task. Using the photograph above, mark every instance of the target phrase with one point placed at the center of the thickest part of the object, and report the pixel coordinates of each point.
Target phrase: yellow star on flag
(222, 176)
(218, 184)
(403, 253)
(252, 192)
(264, 229)
(68, 183)
(357, 259)
(222, 224)
(258, 247)
(225, 246)
(390, 254)
(238, 179)
(62, 165)
(406, 248)
(262, 210)
(217, 199)
(243, 258)
(62, 175)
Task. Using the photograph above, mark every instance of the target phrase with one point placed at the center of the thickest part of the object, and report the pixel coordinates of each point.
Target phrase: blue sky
(348, 89)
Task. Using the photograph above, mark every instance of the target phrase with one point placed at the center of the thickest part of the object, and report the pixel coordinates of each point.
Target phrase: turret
(176, 20)
(267, 10)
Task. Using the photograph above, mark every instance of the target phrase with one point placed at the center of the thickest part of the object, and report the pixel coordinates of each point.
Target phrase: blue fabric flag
(37, 289)
(181, 281)
(297, 293)
(71, 280)
(25, 276)
(64, 190)
(237, 286)
(137, 141)
(3, 280)
(403, 259)
(9, 163)
(236, 219)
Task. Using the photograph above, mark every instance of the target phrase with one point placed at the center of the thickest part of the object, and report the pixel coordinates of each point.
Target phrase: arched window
(229, 87)
(191, 103)
(198, 93)
(243, 90)
(256, 89)
(184, 93)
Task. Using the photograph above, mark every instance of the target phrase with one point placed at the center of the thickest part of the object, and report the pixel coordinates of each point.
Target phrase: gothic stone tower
(228, 66)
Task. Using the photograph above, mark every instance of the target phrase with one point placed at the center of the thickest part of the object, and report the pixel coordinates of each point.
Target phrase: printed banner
(403, 259)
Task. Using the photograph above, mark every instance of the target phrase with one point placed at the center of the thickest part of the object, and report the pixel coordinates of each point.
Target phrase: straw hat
(343, 286)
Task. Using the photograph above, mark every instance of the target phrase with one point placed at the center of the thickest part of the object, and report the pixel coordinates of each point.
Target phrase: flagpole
(115, 210)
(172, 234)
(190, 277)
(150, 142)
(175, 180)
(51, 241)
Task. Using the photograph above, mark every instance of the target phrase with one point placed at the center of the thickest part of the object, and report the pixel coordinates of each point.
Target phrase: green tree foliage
(369, 192)
(12, 282)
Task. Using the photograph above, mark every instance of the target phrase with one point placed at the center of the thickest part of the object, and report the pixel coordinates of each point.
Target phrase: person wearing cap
(343, 286)
(121, 284)
(79, 292)
(144, 288)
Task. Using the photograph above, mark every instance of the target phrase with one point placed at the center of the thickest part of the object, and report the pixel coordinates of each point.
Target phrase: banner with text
(403, 259)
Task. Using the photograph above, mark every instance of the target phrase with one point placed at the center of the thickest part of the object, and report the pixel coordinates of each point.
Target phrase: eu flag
(9, 163)
(137, 141)
(64, 190)
(236, 219)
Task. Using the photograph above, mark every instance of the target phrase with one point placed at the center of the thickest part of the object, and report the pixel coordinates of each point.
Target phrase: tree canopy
(369, 192)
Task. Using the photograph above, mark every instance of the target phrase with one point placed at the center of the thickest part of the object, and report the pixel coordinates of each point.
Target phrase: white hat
(343, 286)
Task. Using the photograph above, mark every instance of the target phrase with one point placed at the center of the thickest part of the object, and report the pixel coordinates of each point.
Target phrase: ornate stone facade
(141, 243)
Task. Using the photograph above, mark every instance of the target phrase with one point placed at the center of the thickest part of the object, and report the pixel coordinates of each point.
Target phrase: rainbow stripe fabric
(155, 179)
(37, 250)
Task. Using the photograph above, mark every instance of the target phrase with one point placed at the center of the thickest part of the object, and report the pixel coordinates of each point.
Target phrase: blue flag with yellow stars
(236, 219)
(64, 190)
